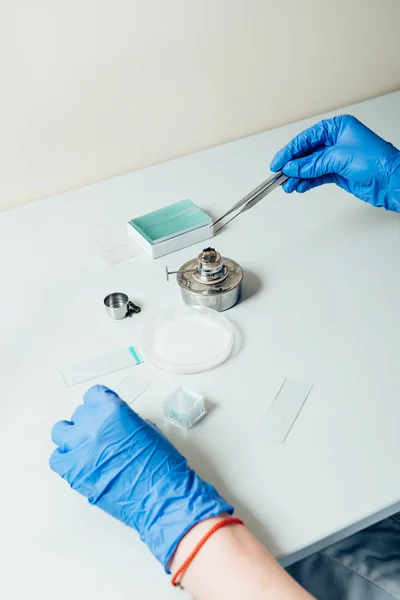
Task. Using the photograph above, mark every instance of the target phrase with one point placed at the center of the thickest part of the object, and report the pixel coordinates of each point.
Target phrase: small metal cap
(118, 306)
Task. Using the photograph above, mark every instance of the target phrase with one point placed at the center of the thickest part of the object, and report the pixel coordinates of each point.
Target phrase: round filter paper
(188, 339)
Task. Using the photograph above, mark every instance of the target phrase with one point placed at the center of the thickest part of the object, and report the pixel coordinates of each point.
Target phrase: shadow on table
(252, 285)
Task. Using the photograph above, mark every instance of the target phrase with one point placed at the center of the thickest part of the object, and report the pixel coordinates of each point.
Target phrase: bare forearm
(233, 564)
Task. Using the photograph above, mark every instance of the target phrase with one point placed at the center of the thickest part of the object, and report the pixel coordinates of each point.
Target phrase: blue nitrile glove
(343, 151)
(127, 467)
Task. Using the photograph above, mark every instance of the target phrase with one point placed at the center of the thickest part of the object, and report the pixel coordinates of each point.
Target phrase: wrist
(192, 538)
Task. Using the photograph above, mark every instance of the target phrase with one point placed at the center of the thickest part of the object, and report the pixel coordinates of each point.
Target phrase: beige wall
(94, 88)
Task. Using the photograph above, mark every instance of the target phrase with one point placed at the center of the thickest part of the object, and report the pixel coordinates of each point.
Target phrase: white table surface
(321, 305)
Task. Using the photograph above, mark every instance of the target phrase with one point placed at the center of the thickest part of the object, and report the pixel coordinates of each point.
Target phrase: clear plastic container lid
(188, 339)
(184, 408)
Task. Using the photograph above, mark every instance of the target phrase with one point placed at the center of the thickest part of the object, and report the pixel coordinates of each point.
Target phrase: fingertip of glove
(290, 185)
(278, 161)
(291, 169)
(274, 166)
(99, 388)
(303, 186)
(54, 460)
(57, 431)
(98, 392)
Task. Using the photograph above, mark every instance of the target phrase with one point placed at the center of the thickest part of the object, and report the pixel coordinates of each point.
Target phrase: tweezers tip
(219, 229)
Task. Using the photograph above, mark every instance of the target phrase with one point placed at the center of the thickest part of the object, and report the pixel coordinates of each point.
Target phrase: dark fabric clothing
(364, 566)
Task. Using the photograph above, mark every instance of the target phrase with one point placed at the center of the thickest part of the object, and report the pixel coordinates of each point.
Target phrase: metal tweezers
(253, 197)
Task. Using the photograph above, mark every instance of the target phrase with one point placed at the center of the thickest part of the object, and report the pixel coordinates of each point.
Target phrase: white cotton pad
(188, 339)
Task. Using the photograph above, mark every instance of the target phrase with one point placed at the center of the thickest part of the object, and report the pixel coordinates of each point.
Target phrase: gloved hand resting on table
(343, 151)
(127, 467)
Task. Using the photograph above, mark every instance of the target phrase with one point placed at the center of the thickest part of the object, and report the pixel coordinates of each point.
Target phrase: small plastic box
(171, 228)
(184, 408)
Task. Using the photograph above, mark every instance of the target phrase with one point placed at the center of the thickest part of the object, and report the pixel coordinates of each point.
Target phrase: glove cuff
(389, 197)
(176, 508)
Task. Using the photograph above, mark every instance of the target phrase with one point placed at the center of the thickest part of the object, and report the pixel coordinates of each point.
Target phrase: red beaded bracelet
(182, 569)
